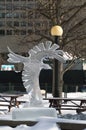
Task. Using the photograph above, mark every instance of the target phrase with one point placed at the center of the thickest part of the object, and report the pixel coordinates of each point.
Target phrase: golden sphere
(56, 30)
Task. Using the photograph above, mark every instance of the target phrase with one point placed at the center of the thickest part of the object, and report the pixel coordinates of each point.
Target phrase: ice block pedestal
(33, 113)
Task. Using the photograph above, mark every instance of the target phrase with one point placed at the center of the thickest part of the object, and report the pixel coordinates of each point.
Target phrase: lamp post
(56, 31)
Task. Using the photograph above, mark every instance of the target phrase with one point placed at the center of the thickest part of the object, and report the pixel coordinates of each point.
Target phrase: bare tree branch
(74, 15)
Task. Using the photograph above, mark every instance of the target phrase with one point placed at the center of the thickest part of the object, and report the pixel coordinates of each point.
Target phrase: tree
(70, 15)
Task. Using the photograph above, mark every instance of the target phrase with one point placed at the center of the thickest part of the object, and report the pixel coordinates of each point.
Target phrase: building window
(2, 0)
(23, 32)
(16, 32)
(9, 0)
(2, 15)
(9, 32)
(2, 32)
(30, 24)
(2, 23)
(23, 15)
(9, 23)
(31, 5)
(29, 31)
(16, 0)
(2, 7)
(16, 6)
(16, 23)
(23, 24)
(16, 15)
(9, 7)
(9, 15)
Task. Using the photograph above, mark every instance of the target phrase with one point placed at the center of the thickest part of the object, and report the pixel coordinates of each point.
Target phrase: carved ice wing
(27, 77)
(15, 58)
(30, 75)
(47, 49)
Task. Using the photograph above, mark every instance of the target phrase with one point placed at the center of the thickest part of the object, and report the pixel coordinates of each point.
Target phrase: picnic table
(78, 104)
(9, 100)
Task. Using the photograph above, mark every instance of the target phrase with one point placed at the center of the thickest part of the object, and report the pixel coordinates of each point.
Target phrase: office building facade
(18, 24)
(15, 18)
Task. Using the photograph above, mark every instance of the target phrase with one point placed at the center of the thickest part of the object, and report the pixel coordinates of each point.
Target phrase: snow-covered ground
(66, 114)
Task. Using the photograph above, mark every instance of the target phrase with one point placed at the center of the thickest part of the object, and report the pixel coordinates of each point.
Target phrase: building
(17, 25)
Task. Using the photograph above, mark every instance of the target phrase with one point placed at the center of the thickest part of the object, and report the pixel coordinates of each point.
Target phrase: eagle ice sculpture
(33, 64)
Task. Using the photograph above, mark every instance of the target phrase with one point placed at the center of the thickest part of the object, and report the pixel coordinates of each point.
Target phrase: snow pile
(45, 123)
(80, 116)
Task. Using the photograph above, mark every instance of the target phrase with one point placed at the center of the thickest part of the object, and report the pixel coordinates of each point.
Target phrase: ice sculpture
(33, 65)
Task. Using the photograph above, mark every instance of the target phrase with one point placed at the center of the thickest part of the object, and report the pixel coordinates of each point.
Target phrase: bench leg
(13, 102)
(9, 108)
(59, 110)
(55, 104)
(83, 107)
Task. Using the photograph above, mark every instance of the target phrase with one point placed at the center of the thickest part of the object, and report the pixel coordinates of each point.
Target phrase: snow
(66, 116)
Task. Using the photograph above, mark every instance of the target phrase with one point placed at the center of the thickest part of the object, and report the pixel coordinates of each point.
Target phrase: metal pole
(55, 74)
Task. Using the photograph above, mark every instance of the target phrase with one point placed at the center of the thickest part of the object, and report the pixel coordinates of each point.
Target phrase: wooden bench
(77, 104)
(10, 100)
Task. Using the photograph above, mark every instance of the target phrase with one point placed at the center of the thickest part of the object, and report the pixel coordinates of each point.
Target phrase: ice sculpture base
(33, 113)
